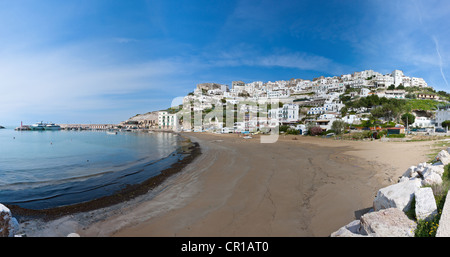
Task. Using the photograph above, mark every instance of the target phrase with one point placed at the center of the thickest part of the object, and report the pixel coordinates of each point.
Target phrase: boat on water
(38, 126)
(1, 127)
(52, 126)
(44, 126)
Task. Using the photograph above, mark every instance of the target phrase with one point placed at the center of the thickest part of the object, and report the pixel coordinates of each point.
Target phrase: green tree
(344, 111)
(391, 111)
(408, 118)
(338, 126)
(377, 112)
(411, 96)
(284, 128)
(446, 124)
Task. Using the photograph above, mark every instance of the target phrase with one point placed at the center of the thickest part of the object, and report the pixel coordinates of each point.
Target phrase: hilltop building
(318, 100)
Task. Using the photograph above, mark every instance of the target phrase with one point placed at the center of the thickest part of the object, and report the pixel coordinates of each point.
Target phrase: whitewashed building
(278, 94)
(441, 116)
(333, 106)
(423, 122)
(398, 77)
(364, 92)
(287, 114)
(397, 94)
(317, 110)
(167, 121)
(418, 82)
(351, 119)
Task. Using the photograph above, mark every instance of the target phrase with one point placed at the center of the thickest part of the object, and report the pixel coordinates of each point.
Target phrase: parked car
(439, 130)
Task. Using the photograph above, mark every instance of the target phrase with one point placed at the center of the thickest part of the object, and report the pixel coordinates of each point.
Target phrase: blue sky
(103, 61)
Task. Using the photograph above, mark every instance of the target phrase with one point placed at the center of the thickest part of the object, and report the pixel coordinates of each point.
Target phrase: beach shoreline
(239, 187)
(298, 186)
(187, 150)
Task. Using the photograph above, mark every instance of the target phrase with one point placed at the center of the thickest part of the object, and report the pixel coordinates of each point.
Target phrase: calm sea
(45, 169)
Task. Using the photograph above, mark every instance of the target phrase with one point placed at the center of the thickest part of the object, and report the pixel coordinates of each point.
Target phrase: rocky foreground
(388, 218)
(8, 224)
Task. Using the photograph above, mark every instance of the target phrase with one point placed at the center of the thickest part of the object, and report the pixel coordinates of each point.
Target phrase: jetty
(88, 126)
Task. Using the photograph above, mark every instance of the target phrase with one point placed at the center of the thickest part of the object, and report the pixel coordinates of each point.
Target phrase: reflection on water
(36, 165)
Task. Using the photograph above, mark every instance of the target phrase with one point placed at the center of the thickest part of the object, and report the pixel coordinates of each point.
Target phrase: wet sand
(240, 187)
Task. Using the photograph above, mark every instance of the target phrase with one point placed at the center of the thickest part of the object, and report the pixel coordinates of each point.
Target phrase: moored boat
(38, 126)
(52, 126)
(43, 126)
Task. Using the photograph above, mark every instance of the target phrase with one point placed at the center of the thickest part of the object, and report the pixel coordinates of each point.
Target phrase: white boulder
(421, 167)
(431, 178)
(425, 204)
(403, 179)
(432, 175)
(444, 222)
(390, 222)
(8, 224)
(353, 229)
(443, 156)
(398, 196)
(437, 168)
(410, 172)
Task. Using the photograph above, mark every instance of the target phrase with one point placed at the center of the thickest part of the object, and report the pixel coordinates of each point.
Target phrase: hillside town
(362, 100)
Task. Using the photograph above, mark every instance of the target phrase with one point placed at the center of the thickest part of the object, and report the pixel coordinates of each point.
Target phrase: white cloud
(124, 40)
(65, 80)
(412, 36)
(246, 55)
(440, 60)
(300, 61)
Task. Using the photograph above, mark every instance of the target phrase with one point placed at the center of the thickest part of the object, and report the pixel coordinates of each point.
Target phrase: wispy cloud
(90, 58)
(430, 19)
(412, 37)
(440, 60)
(58, 81)
(247, 56)
(124, 40)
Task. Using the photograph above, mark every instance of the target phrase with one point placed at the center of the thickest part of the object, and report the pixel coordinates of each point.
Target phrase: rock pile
(388, 217)
(8, 224)
(390, 222)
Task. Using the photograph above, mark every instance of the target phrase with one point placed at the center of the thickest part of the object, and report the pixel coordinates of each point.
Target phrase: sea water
(46, 169)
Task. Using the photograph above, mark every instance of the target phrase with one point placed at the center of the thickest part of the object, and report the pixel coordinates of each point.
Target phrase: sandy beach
(298, 186)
